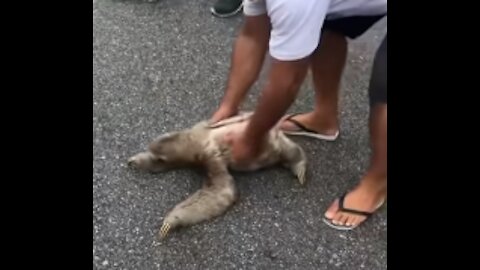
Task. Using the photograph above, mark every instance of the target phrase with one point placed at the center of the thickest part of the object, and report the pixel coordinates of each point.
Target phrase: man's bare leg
(372, 189)
(327, 65)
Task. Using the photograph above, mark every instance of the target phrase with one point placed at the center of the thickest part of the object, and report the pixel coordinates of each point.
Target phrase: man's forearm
(283, 85)
(247, 60)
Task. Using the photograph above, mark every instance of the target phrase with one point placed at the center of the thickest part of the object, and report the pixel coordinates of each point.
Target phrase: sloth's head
(167, 151)
(173, 149)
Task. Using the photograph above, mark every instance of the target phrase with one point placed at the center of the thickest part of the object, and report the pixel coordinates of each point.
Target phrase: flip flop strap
(298, 124)
(351, 211)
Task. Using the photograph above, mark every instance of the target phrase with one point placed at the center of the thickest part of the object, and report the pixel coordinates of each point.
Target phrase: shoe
(226, 8)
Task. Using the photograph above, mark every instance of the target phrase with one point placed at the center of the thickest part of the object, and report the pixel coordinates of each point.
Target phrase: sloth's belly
(268, 157)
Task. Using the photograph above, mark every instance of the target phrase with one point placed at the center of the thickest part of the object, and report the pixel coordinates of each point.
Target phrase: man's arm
(294, 36)
(247, 60)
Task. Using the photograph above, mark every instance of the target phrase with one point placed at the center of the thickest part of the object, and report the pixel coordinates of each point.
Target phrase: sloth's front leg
(242, 116)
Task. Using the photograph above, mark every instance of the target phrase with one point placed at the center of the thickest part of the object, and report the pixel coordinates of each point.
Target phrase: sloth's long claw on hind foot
(164, 230)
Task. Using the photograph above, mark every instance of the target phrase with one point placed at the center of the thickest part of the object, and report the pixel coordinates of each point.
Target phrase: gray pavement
(162, 66)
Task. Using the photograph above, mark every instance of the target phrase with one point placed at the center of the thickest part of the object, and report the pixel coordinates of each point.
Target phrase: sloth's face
(168, 151)
(148, 162)
(168, 148)
(174, 149)
(163, 153)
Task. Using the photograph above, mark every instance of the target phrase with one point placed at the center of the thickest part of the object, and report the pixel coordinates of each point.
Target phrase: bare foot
(365, 197)
(313, 122)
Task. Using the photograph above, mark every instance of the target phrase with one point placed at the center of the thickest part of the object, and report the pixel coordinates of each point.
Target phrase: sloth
(204, 145)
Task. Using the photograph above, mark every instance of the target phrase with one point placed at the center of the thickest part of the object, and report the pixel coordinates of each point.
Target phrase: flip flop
(304, 131)
(341, 208)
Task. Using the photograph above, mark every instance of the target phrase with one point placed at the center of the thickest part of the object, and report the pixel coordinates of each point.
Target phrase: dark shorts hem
(352, 27)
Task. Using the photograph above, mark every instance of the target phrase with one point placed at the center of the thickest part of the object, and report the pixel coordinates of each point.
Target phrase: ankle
(375, 182)
(326, 110)
(376, 174)
(325, 120)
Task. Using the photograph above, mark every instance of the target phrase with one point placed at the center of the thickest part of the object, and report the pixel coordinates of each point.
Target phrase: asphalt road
(161, 67)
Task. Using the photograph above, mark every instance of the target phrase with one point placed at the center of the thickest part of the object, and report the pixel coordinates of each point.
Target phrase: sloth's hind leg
(295, 159)
(216, 196)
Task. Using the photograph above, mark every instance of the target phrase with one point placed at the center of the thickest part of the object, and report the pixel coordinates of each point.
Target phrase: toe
(350, 220)
(343, 220)
(337, 219)
(332, 210)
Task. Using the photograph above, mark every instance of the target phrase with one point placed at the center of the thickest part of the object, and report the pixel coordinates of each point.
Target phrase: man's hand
(222, 113)
(243, 149)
